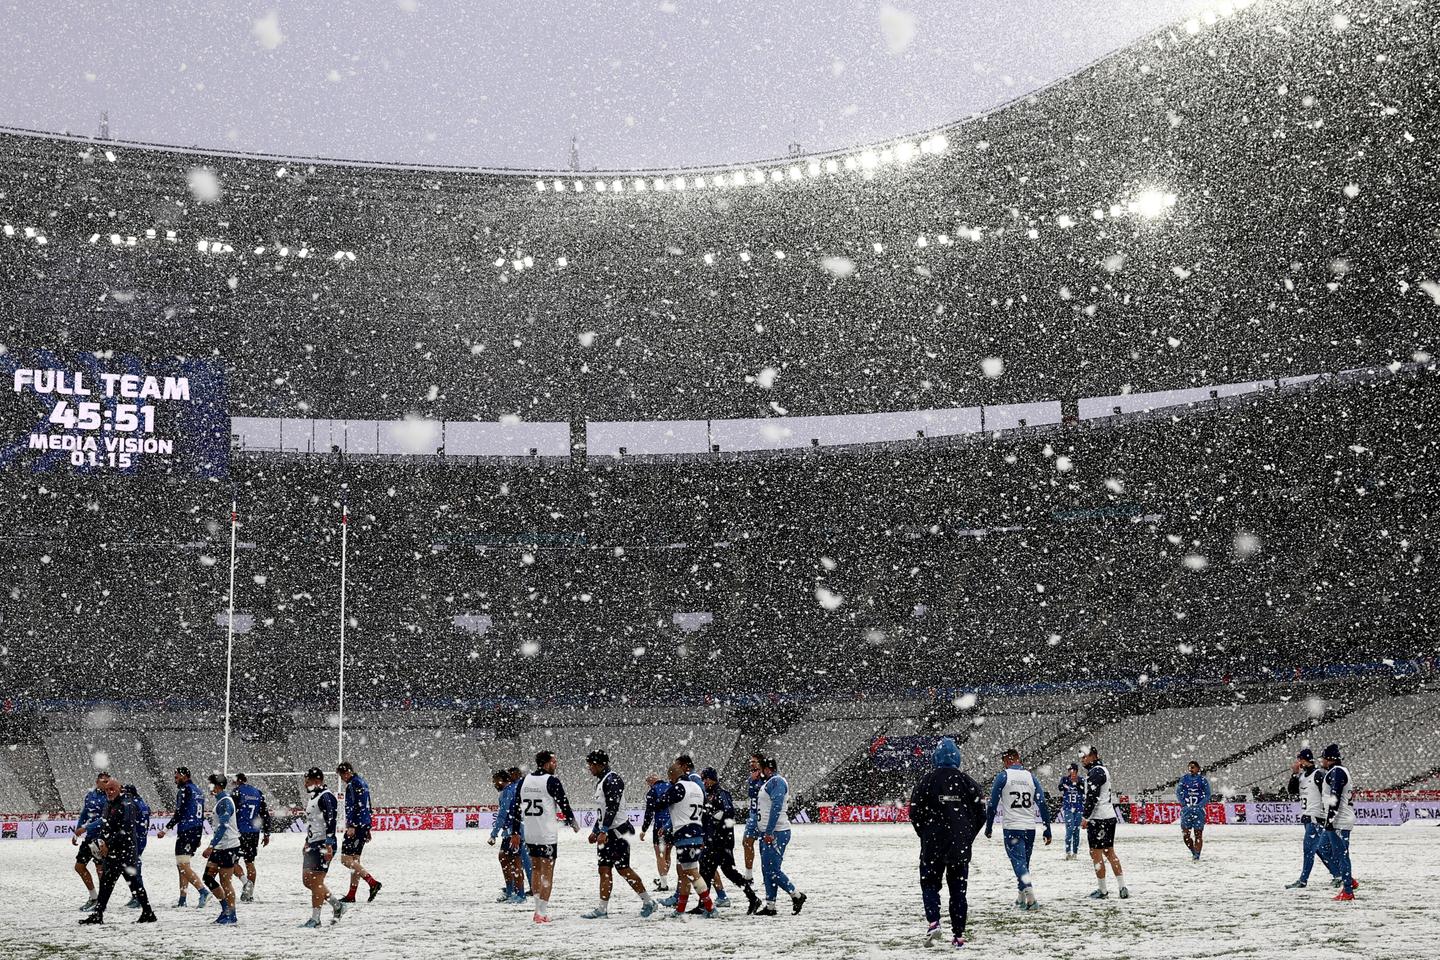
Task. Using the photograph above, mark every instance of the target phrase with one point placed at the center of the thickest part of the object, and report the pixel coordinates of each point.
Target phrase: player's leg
(748, 845)
(108, 879)
(1095, 838)
(772, 859)
(725, 862)
(1199, 839)
(932, 873)
(541, 878)
(1117, 870)
(1340, 856)
(83, 856)
(957, 879)
(617, 852)
(136, 882)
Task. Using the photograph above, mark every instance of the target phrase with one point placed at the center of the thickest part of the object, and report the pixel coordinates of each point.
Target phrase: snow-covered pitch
(864, 902)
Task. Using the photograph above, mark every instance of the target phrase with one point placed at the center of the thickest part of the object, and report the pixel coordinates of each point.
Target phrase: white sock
(604, 906)
(315, 913)
(645, 897)
(331, 900)
(542, 907)
(1104, 884)
(1120, 880)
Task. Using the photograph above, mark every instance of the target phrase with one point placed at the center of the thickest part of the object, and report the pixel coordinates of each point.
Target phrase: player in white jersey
(774, 825)
(685, 800)
(1338, 797)
(320, 819)
(223, 854)
(1307, 783)
(1099, 820)
(1016, 797)
(611, 836)
(538, 804)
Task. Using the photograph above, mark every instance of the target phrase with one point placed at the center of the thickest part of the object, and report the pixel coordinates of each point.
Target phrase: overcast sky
(507, 82)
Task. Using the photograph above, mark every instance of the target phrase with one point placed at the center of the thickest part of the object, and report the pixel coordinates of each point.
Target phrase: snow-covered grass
(864, 903)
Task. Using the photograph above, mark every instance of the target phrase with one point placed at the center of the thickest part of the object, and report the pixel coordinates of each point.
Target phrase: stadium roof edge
(549, 173)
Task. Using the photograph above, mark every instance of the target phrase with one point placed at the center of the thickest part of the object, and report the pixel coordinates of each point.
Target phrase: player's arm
(1205, 782)
(614, 791)
(995, 789)
(1094, 780)
(556, 789)
(267, 823)
(649, 811)
(917, 810)
(502, 815)
(329, 809)
(1044, 807)
(727, 807)
(1335, 781)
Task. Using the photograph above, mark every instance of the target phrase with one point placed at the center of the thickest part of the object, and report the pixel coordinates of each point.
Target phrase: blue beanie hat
(1306, 754)
(946, 753)
(1331, 752)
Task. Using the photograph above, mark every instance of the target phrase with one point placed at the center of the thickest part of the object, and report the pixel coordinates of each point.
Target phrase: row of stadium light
(864, 163)
(27, 233)
(204, 246)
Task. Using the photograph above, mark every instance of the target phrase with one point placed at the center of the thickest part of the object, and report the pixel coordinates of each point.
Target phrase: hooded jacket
(946, 808)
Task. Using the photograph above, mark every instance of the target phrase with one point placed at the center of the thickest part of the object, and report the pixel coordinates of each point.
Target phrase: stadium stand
(1256, 539)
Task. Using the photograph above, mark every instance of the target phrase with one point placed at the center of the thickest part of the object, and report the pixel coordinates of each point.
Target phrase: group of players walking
(691, 817)
(947, 812)
(114, 827)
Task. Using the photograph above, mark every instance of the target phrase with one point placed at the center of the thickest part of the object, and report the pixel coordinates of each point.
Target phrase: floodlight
(1152, 203)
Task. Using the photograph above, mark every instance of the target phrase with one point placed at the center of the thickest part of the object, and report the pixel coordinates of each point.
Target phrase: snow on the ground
(865, 903)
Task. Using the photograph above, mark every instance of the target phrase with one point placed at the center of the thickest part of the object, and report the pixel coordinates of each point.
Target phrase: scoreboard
(106, 413)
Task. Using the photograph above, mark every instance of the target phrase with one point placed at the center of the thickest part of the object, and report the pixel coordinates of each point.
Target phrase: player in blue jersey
(86, 832)
(1072, 804)
(1193, 792)
(142, 833)
(509, 860)
(357, 830)
(774, 826)
(253, 817)
(188, 822)
(223, 853)
(517, 776)
(657, 816)
(1016, 798)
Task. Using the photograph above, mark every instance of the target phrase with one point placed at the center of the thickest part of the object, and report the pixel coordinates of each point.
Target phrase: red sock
(353, 884)
(705, 901)
(680, 904)
(369, 879)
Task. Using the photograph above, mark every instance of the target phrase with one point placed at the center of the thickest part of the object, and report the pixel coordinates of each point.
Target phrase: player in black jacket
(947, 812)
(719, 851)
(118, 853)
